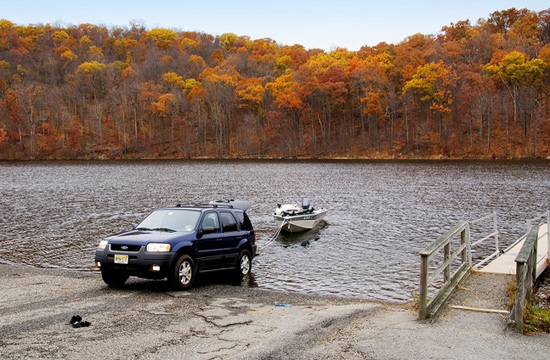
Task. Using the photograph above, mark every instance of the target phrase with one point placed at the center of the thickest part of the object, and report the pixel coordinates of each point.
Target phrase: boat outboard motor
(305, 204)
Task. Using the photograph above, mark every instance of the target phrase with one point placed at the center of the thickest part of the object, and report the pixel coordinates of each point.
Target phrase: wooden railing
(526, 274)
(451, 277)
(455, 265)
(428, 307)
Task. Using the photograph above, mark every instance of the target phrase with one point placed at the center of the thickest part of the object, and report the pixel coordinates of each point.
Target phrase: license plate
(121, 259)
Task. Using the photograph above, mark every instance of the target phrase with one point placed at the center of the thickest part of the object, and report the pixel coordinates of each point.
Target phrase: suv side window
(246, 224)
(210, 223)
(228, 222)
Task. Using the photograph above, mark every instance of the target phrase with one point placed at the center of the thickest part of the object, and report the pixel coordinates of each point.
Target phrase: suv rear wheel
(183, 273)
(244, 264)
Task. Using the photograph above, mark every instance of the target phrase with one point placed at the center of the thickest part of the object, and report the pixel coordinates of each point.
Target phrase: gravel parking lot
(221, 320)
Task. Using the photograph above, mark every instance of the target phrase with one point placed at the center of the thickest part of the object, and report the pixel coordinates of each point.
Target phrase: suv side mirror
(207, 230)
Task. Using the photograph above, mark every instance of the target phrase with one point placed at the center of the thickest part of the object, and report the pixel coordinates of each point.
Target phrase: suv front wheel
(113, 279)
(183, 273)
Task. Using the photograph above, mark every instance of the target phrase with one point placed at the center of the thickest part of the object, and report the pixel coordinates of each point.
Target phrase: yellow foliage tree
(85, 41)
(68, 55)
(433, 82)
(189, 44)
(251, 95)
(282, 63)
(177, 81)
(516, 71)
(227, 40)
(96, 53)
(90, 69)
(60, 36)
(6, 24)
(163, 38)
(219, 76)
(283, 82)
(174, 79)
(190, 84)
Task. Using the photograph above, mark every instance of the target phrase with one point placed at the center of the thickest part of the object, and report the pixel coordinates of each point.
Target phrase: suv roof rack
(206, 205)
(229, 204)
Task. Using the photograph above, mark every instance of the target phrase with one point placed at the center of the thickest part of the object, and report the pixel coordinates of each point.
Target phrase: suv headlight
(102, 244)
(158, 247)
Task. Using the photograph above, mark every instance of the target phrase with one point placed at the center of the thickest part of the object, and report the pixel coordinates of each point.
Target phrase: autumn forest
(474, 90)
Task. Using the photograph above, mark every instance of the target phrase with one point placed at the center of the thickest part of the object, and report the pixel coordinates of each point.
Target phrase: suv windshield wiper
(164, 229)
(156, 229)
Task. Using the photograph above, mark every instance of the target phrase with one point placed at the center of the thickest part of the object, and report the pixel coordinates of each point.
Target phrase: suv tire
(244, 264)
(114, 279)
(183, 273)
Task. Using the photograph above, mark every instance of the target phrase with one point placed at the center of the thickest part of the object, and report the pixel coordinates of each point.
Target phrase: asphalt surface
(219, 319)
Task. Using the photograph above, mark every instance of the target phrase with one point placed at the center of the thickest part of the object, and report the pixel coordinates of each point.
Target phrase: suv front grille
(122, 247)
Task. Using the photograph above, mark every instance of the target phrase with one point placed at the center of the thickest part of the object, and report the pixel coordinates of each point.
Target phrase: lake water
(381, 213)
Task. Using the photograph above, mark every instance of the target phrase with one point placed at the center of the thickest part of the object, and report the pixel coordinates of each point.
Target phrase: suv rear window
(244, 221)
(228, 222)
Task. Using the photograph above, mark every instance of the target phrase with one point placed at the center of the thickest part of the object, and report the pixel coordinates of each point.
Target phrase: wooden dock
(505, 263)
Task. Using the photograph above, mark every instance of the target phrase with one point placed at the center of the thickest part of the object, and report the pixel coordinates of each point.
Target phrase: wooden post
(533, 259)
(526, 272)
(519, 304)
(447, 257)
(466, 243)
(495, 231)
(423, 296)
(464, 252)
(548, 234)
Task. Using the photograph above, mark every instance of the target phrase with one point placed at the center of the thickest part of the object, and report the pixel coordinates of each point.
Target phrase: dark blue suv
(179, 242)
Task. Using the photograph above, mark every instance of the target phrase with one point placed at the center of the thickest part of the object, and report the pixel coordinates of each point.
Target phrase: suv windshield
(170, 220)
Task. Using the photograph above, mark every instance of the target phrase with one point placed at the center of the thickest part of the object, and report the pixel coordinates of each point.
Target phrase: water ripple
(381, 214)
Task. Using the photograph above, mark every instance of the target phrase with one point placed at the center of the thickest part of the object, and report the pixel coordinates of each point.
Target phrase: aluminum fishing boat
(294, 218)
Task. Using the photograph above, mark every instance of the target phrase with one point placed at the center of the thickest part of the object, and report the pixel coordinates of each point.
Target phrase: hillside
(81, 92)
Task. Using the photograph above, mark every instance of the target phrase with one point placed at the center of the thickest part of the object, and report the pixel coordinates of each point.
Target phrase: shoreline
(216, 320)
(434, 158)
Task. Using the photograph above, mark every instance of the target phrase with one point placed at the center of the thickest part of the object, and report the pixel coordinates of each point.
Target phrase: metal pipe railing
(493, 235)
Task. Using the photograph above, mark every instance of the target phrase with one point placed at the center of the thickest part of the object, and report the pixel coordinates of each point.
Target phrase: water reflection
(305, 238)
